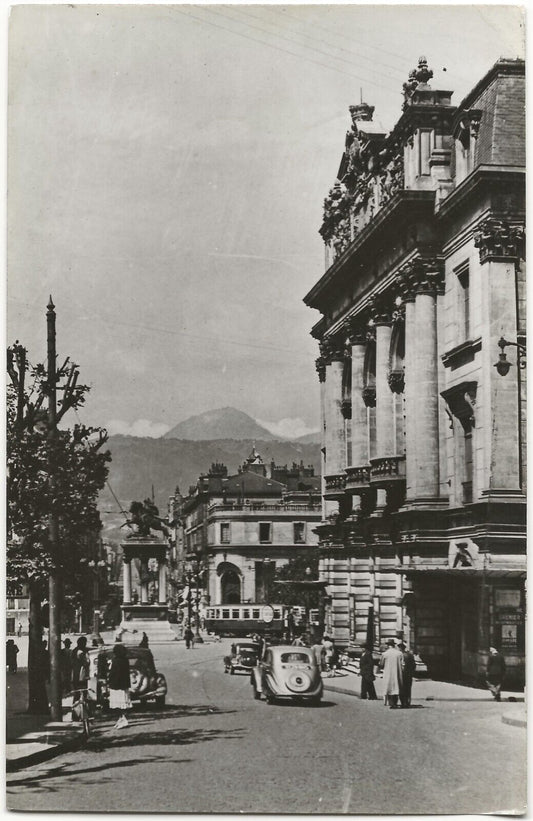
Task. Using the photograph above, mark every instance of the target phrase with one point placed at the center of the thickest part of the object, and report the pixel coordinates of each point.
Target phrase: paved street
(214, 749)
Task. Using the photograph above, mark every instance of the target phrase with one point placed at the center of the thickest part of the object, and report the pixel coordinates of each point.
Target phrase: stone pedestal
(151, 619)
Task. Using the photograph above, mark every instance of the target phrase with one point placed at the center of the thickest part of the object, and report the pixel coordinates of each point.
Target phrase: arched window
(230, 587)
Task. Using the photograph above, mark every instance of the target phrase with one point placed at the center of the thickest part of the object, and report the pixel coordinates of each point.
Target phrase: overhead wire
(321, 40)
(205, 20)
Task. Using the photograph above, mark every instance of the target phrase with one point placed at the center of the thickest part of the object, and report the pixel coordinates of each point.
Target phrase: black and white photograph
(266, 432)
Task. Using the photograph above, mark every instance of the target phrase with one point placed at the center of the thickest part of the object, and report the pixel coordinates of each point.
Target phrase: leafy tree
(79, 467)
(295, 570)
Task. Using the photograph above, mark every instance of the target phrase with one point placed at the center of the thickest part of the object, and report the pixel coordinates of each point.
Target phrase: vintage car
(146, 684)
(287, 672)
(244, 655)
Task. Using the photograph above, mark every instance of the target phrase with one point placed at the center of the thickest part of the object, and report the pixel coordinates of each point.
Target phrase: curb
(514, 721)
(44, 755)
(344, 691)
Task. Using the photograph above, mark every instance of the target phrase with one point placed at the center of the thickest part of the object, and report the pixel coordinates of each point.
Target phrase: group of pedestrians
(398, 666)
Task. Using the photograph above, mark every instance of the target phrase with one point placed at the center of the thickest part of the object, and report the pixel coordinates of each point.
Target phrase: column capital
(356, 331)
(380, 309)
(423, 275)
(332, 350)
(499, 241)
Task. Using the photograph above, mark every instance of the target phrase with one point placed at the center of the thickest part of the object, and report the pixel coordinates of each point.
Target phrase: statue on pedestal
(144, 518)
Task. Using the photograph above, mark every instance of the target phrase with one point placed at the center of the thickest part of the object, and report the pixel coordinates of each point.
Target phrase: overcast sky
(167, 169)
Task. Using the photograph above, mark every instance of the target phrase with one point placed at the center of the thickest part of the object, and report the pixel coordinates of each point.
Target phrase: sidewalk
(31, 739)
(424, 689)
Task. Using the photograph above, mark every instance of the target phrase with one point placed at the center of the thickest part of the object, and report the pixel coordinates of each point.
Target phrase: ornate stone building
(424, 453)
(239, 528)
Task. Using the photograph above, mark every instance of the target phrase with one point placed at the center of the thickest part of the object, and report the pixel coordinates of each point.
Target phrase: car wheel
(225, 669)
(232, 671)
(257, 694)
(160, 701)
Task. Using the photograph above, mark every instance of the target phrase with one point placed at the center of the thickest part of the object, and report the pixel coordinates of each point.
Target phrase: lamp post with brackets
(503, 365)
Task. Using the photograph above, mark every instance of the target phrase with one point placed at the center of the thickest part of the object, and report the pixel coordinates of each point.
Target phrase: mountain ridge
(221, 423)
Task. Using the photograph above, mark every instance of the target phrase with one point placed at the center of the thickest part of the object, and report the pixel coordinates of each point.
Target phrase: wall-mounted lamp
(503, 365)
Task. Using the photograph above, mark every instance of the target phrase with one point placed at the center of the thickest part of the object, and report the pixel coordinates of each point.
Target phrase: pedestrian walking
(119, 685)
(366, 671)
(66, 666)
(144, 641)
(495, 672)
(188, 635)
(80, 665)
(19, 630)
(318, 650)
(408, 671)
(44, 660)
(391, 663)
(11, 656)
(329, 652)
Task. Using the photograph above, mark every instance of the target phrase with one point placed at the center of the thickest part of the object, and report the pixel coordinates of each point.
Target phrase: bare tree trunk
(37, 696)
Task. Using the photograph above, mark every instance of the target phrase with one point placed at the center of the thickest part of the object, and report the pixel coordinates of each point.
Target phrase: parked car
(244, 655)
(287, 672)
(146, 683)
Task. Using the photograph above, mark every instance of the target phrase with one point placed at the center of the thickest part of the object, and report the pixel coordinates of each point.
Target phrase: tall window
(468, 466)
(463, 302)
(225, 533)
(299, 532)
(265, 532)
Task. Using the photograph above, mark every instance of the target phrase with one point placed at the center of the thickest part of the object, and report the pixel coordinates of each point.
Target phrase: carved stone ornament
(346, 408)
(356, 332)
(418, 76)
(498, 241)
(320, 365)
(424, 275)
(461, 400)
(396, 380)
(369, 396)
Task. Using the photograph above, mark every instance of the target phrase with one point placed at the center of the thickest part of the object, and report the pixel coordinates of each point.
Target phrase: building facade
(238, 529)
(424, 439)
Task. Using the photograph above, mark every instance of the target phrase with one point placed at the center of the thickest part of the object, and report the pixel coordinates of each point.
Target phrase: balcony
(357, 478)
(387, 470)
(335, 486)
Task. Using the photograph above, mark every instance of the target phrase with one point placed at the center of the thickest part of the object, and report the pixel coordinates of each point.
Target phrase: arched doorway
(230, 587)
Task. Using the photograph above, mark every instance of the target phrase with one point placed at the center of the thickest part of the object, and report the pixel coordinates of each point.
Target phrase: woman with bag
(119, 684)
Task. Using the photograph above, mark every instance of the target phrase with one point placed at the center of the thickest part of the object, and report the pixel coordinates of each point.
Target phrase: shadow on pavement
(167, 738)
(40, 780)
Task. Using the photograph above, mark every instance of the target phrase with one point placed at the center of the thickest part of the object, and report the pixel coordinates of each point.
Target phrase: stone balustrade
(386, 470)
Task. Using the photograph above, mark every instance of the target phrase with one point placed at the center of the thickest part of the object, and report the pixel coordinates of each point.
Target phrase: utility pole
(198, 639)
(54, 582)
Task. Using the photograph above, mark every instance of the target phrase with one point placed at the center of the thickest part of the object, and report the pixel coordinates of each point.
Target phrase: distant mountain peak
(222, 423)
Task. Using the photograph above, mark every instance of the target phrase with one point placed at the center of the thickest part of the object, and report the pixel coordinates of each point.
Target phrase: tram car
(236, 620)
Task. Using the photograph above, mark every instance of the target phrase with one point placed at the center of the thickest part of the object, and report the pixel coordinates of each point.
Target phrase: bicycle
(80, 710)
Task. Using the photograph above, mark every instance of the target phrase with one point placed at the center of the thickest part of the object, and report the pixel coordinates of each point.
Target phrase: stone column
(162, 587)
(500, 247)
(144, 585)
(334, 433)
(359, 409)
(427, 483)
(410, 391)
(385, 444)
(421, 281)
(126, 580)
(321, 370)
